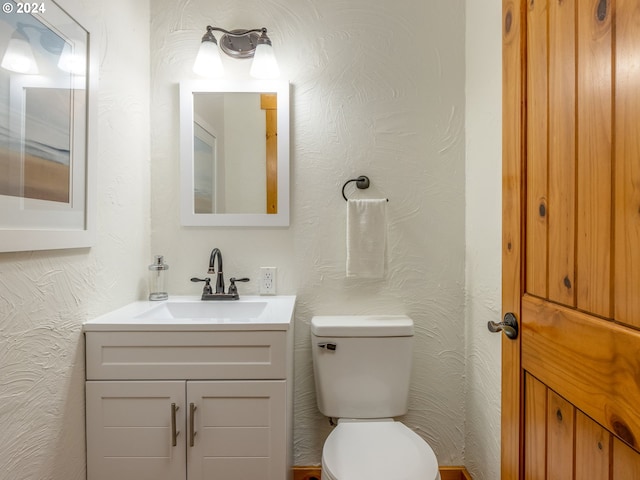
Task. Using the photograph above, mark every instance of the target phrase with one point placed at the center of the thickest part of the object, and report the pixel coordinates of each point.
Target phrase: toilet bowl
(362, 367)
(380, 449)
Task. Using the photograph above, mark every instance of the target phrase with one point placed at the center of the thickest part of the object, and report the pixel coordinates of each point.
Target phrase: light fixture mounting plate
(238, 44)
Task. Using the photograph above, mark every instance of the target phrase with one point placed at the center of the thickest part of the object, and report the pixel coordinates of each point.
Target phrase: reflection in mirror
(206, 170)
(42, 112)
(240, 127)
(234, 153)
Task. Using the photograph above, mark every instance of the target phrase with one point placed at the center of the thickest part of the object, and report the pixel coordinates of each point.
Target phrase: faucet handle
(207, 284)
(233, 290)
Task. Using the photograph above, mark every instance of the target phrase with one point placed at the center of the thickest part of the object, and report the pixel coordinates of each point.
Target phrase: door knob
(509, 326)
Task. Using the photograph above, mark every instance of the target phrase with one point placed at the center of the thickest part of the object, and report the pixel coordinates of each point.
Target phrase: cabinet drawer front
(185, 355)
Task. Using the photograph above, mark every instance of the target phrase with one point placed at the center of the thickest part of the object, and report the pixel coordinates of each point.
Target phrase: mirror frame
(187, 207)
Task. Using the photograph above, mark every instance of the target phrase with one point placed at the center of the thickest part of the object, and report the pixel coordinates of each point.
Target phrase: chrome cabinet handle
(192, 419)
(174, 432)
(509, 326)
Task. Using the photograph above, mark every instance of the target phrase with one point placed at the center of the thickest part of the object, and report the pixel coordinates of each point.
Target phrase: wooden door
(571, 239)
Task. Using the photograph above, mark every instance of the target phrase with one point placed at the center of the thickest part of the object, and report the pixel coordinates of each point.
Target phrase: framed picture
(48, 89)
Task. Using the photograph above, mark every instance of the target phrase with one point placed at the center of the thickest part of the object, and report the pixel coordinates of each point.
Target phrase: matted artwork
(48, 83)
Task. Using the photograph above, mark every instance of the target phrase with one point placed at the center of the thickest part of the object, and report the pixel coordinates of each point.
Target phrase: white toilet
(362, 367)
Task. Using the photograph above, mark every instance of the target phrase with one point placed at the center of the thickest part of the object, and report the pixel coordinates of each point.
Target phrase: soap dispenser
(158, 279)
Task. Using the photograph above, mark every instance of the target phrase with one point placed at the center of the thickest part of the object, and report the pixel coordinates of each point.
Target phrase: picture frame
(48, 130)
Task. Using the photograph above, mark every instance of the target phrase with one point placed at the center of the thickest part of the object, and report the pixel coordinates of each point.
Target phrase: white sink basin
(192, 313)
(198, 309)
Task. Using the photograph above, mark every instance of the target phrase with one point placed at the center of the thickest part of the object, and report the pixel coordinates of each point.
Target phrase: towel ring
(362, 182)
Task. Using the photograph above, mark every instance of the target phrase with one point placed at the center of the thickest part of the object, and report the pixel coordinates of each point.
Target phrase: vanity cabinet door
(239, 430)
(129, 430)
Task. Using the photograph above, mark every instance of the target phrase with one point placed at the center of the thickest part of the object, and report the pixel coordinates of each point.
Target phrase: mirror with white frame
(234, 153)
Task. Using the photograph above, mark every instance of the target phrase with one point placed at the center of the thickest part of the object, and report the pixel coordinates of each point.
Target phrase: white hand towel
(366, 237)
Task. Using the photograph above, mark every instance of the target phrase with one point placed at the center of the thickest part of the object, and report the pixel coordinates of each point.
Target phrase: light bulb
(208, 62)
(19, 57)
(71, 62)
(264, 63)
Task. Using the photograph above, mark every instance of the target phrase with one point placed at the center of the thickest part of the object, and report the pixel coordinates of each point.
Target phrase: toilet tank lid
(362, 326)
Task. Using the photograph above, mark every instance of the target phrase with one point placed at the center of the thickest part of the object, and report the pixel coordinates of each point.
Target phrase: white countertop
(262, 313)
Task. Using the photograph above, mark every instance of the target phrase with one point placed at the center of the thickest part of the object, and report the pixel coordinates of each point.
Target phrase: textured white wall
(483, 237)
(45, 296)
(377, 89)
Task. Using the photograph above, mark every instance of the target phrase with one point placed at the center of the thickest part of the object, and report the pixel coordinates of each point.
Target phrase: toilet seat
(377, 450)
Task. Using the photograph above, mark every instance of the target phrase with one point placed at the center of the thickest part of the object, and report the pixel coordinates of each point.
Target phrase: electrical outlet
(268, 281)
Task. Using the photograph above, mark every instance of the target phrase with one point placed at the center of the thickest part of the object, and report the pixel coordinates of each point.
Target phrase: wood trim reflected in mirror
(269, 103)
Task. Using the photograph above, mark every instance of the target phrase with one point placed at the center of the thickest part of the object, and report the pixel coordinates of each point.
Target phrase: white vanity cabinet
(188, 405)
(223, 430)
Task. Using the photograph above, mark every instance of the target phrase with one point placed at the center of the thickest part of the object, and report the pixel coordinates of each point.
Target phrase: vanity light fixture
(71, 62)
(252, 43)
(18, 57)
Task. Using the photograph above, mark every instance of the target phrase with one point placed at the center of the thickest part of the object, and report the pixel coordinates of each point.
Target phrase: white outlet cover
(268, 280)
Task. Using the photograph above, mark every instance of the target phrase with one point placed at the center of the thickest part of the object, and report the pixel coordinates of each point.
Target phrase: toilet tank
(362, 364)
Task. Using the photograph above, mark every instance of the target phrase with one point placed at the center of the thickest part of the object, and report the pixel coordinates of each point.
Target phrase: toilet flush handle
(328, 346)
